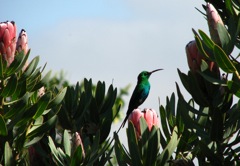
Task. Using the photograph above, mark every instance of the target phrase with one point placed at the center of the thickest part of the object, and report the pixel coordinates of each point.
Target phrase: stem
(2, 81)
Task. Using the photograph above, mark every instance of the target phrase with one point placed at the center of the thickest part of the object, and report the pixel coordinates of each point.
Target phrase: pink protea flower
(22, 43)
(149, 115)
(194, 58)
(151, 118)
(213, 19)
(41, 91)
(8, 40)
(77, 141)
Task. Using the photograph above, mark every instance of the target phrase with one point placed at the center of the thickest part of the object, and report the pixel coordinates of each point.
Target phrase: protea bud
(8, 40)
(213, 19)
(77, 141)
(22, 43)
(195, 58)
(149, 115)
(41, 91)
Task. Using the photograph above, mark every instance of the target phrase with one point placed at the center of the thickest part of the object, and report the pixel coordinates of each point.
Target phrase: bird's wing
(138, 97)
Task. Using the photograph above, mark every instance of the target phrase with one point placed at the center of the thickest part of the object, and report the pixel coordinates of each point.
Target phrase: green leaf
(77, 157)
(18, 63)
(170, 111)
(171, 146)
(225, 39)
(197, 90)
(223, 60)
(164, 122)
(2, 67)
(234, 87)
(133, 145)
(106, 124)
(96, 141)
(43, 128)
(58, 98)
(144, 138)
(54, 151)
(31, 67)
(209, 43)
(184, 80)
(229, 7)
(66, 143)
(8, 156)
(216, 132)
(110, 99)
(33, 141)
(32, 81)
(184, 112)
(11, 86)
(42, 104)
(83, 104)
(212, 80)
(121, 155)
(100, 91)
(43, 82)
(200, 47)
(20, 105)
(3, 127)
(63, 156)
(153, 146)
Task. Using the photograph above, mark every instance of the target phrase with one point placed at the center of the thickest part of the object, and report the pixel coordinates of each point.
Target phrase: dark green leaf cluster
(215, 121)
(25, 116)
(87, 110)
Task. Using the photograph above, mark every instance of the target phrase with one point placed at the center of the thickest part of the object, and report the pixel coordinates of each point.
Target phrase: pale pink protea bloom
(22, 43)
(149, 115)
(194, 58)
(8, 40)
(77, 141)
(213, 19)
(151, 118)
(41, 91)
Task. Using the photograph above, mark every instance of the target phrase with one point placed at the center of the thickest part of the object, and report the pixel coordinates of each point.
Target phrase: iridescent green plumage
(140, 93)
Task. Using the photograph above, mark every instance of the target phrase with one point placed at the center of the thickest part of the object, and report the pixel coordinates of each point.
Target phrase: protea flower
(8, 40)
(194, 58)
(41, 91)
(22, 43)
(213, 19)
(77, 141)
(149, 115)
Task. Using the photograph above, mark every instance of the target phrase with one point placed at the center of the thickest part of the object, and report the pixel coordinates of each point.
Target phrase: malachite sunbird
(139, 94)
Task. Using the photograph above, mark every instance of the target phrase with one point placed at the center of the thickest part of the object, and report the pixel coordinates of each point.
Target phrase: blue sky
(111, 41)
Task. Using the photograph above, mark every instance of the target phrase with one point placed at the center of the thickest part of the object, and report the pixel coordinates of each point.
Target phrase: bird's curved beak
(155, 71)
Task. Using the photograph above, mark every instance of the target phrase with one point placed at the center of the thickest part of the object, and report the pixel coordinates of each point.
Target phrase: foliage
(25, 116)
(214, 122)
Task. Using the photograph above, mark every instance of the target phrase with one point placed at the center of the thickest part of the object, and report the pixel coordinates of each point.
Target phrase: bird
(139, 94)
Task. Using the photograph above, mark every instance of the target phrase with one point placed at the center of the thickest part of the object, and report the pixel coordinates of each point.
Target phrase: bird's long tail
(123, 123)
